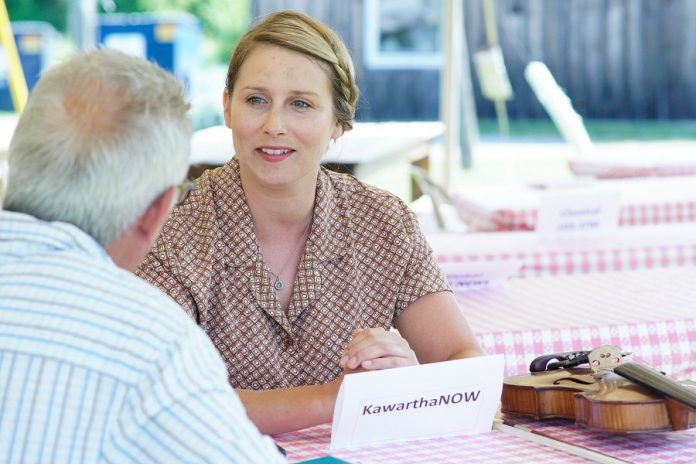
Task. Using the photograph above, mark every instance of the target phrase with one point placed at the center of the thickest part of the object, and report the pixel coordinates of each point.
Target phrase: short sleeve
(422, 275)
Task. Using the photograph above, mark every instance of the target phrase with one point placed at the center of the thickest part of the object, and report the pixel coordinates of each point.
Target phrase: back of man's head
(101, 137)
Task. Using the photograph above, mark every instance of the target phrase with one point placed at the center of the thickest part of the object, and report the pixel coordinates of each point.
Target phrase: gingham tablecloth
(656, 448)
(629, 248)
(639, 159)
(483, 448)
(651, 313)
(494, 208)
(497, 446)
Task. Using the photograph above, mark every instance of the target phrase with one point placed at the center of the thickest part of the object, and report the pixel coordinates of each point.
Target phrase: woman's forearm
(287, 409)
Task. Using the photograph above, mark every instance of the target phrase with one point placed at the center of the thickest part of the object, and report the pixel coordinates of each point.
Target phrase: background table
(639, 159)
(651, 313)
(627, 248)
(367, 148)
(643, 201)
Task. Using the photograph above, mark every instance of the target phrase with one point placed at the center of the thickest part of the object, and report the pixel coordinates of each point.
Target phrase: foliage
(52, 11)
(223, 21)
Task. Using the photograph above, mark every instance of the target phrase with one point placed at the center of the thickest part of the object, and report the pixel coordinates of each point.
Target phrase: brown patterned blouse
(364, 262)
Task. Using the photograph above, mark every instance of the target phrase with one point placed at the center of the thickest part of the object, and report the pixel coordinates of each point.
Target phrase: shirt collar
(327, 240)
(36, 235)
(331, 217)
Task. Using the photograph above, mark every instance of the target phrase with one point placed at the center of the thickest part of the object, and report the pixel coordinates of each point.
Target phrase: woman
(297, 273)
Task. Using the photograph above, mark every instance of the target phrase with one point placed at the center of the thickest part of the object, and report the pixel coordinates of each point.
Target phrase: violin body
(609, 404)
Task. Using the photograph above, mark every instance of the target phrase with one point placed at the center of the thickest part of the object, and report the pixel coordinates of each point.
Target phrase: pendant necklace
(278, 284)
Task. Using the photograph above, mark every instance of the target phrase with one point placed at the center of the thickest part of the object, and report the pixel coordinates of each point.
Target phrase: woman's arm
(287, 409)
(431, 329)
(437, 330)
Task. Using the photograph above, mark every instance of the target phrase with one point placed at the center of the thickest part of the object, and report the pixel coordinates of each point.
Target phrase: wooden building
(633, 59)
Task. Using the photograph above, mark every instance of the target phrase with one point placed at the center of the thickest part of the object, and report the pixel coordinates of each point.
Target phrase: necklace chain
(278, 284)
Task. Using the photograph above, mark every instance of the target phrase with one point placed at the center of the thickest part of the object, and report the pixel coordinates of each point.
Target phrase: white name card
(474, 275)
(578, 214)
(416, 402)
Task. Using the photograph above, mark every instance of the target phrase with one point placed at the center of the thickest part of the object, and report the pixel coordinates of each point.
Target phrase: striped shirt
(98, 366)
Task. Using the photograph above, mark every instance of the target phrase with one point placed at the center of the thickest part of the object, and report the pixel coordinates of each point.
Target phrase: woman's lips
(274, 154)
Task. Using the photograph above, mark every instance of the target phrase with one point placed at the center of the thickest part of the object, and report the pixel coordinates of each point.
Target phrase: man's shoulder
(90, 314)
(158, 313)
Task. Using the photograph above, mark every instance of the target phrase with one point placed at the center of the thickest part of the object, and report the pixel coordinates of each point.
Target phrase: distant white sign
(474, 275)
(584, 214)
(425, 401)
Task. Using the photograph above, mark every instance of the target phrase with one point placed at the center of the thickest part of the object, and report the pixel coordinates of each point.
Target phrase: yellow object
(30, 44)
(18, 84)
(493, 78)
(165, 33)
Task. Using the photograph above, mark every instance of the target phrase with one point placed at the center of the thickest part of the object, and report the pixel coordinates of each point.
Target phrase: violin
(608, 395)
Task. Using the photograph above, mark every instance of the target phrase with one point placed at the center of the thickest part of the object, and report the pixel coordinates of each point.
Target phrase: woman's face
(282, 118)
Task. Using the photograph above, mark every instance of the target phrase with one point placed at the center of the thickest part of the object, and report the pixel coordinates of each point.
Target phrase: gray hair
(102, 135)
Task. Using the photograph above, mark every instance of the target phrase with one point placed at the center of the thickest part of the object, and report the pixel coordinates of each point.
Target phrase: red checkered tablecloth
(483, 220)
(654, 448)
(574, 261)
(483, 448)
(630, 248)
(514, 207)
(497, 446)
(651, 313)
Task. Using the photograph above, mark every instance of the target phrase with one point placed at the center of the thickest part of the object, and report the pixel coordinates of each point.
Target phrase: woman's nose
(275, 122)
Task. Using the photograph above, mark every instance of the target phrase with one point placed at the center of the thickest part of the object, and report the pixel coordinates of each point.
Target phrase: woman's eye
(255, 100)
(300, 104)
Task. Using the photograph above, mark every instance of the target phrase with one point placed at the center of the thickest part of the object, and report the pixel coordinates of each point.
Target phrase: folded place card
(416, 402)
(465, 276)
(580, 214)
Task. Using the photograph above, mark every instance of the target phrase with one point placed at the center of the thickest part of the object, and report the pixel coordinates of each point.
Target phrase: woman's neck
(280, 212)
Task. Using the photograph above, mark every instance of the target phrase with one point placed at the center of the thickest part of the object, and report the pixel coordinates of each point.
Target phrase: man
(95, 364)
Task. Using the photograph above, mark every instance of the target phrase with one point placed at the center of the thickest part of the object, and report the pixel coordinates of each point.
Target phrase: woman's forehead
(269, 64)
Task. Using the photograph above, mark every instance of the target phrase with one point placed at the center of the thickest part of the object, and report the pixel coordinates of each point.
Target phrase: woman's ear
(337, 131)
(226, 108)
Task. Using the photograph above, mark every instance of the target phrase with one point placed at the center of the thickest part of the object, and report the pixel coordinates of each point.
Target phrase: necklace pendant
(278, 284)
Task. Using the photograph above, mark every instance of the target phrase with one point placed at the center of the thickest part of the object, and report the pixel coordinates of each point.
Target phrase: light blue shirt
(98, 366)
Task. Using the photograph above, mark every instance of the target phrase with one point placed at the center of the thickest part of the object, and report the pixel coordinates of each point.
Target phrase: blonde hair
(301, 33)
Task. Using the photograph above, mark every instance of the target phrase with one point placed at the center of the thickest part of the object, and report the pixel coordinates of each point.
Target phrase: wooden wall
(632, 59)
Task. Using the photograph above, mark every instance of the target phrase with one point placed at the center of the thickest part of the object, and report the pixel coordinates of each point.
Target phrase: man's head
(104, 137)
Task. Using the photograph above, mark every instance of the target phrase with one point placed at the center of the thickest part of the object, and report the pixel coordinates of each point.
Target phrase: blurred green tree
(224, 21)
(52, 11)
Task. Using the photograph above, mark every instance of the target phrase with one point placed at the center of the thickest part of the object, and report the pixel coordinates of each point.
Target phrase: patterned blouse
(364, 262)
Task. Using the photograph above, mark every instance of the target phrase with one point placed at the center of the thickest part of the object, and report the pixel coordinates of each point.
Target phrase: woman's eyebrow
(292, 92)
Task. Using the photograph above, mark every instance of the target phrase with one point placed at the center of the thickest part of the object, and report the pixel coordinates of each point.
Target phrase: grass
(599, 130)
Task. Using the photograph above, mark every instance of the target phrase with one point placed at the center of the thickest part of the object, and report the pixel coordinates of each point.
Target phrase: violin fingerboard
(652, 379)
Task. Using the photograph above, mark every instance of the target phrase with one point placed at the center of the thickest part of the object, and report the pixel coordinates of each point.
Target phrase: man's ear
(226, 107)
(150, 222)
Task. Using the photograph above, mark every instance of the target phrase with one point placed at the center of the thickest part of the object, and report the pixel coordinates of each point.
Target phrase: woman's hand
(375, 349)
